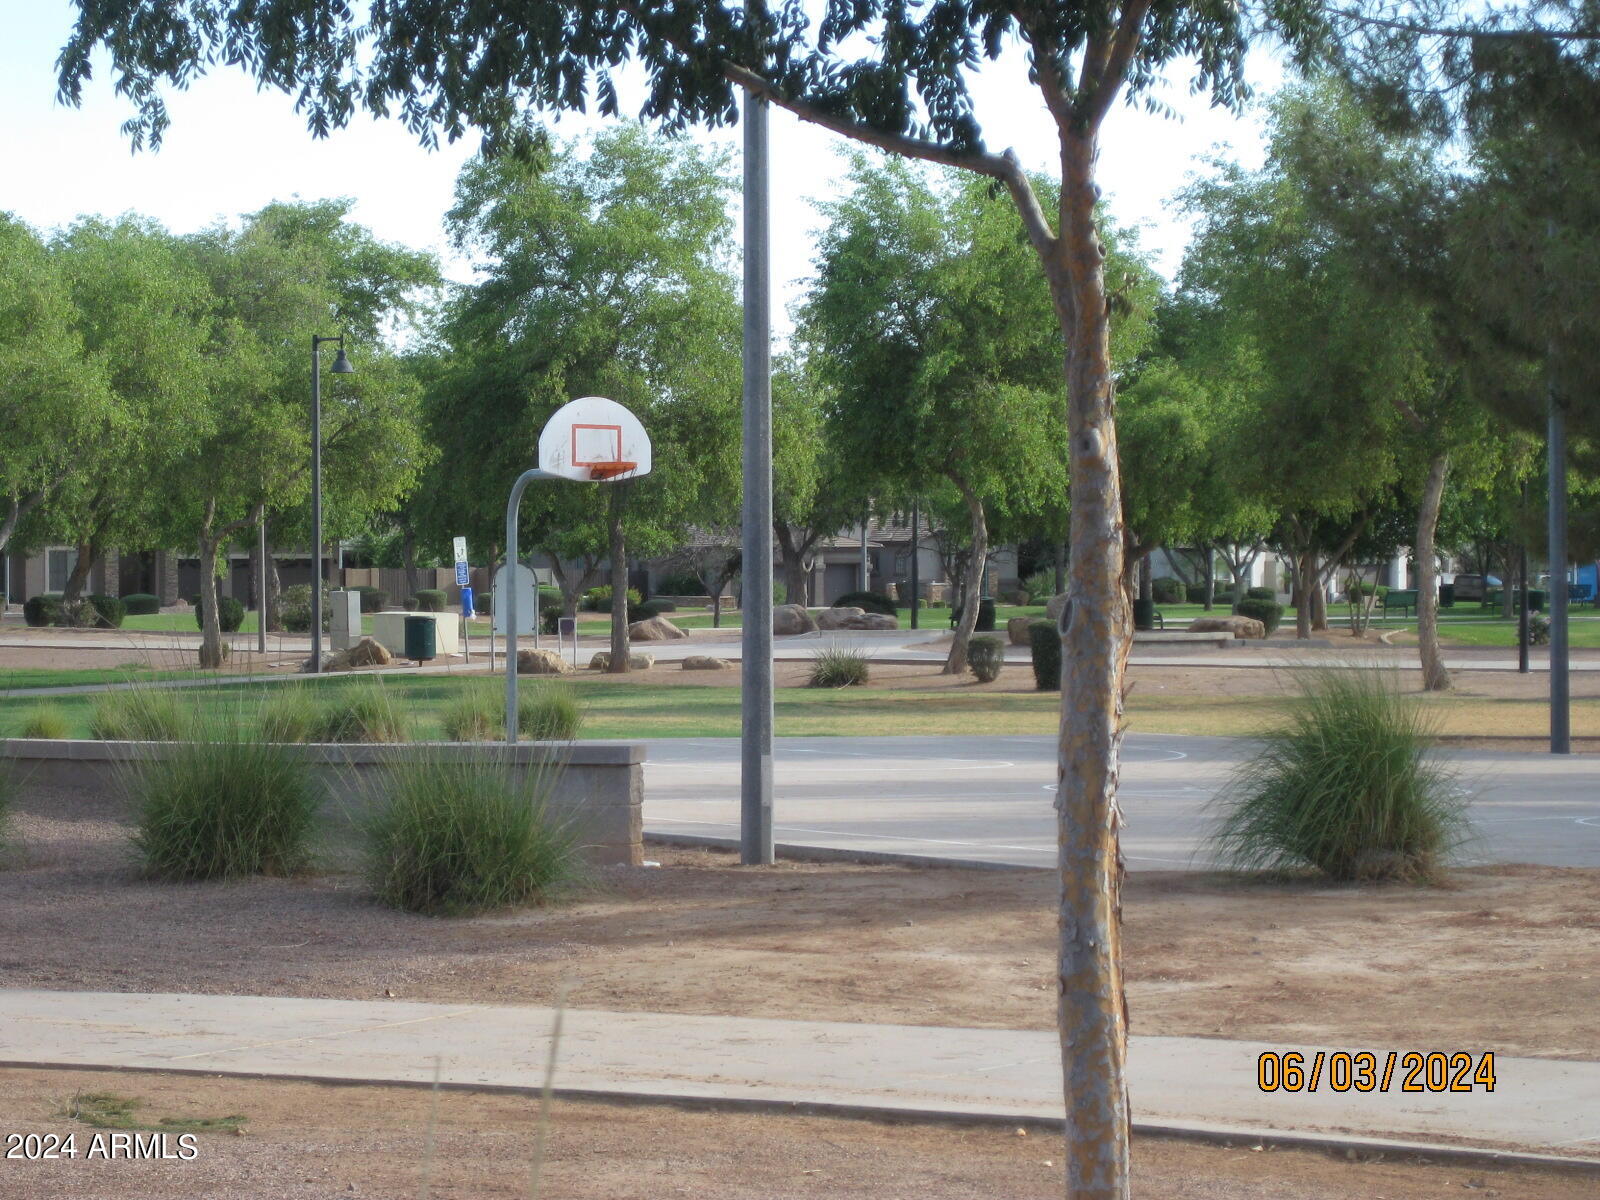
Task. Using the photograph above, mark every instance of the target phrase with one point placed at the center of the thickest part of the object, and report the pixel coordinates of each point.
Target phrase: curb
(1202, 1132)
(799, 852)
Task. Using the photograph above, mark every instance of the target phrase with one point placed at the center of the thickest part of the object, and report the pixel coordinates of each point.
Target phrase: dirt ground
(322, 1140)
(1506, 959)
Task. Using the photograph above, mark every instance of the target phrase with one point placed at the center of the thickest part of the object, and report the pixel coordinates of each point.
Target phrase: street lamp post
(341, 366)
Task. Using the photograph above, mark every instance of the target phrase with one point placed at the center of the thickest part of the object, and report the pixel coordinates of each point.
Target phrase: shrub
(549, 616)
(986, 655)
(428, 600)
(46, 721)
(599, 599)
(1040, 586)
(294, 609)
(465, 837)
(372, 599)
(1044, 644)
(663, 606)
(42, 609)
(141, 714)
(1349, 788)
(1167, 590)
(547, 712)
(230, 613)
(839, 666)
(109, 610)
(363, 712)
(650, 608)
(1268, 612)
(289, 714)
(1194, 593)
(682, 584)
(221, 807)
(1538, 629)
(873, 602)
(141, 604)
(1261, 593)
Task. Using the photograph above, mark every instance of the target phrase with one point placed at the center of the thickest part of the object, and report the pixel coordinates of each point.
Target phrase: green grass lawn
(12, 678)
(1583, 632)
(625, 709)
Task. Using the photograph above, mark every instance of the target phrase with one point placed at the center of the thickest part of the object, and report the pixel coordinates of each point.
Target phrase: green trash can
(1144, 614)
(422, 636)
(1536, 599)
(1447, 595)
(985, 623)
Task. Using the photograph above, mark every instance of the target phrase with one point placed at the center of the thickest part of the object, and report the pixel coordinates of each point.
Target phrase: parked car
(1472, 588)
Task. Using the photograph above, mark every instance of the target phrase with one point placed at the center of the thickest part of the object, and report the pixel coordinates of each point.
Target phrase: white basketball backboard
(594, 438)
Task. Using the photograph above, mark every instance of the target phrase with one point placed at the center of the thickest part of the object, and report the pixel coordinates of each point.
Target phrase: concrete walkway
(1193, 1084)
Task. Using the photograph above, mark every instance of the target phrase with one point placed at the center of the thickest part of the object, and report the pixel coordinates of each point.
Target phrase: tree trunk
(1210, 583)
(89, 553)
(619, 586)
(1319, 597)
(212, 651)
(274, 588)
(956, 662)
(1146, 569)
(408, 548)
(1091, 1006)
(1305, 581)
(1435, 678)
(794, 564)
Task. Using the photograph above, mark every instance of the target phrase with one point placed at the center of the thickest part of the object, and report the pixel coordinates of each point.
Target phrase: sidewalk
(1192, 1084)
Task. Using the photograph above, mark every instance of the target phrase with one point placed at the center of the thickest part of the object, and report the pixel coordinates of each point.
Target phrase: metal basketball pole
(755, 667)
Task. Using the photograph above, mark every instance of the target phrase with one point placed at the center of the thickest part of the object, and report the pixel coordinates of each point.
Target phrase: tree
(53, 399)
(604, 273)
(490, 65)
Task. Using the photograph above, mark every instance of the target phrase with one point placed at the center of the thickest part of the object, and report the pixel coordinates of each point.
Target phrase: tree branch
(1130, 29)
(1460, 31)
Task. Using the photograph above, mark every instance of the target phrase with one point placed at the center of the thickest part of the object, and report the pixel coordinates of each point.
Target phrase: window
(58, 567)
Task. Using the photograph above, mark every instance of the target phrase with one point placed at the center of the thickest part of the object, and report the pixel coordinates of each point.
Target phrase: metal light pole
(261, 584)
(755, 667)
(341, 366)
(1560, 698)
(916, 553)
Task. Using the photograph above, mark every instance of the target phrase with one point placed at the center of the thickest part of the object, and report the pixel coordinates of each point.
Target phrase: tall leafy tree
(602, 273)
(891, 75)
(54, 400)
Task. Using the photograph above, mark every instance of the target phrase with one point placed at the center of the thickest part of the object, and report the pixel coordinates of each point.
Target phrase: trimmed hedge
(294, 609)
(110, 610)
(230, 614)
(428, 600)
(599, 599)
(1167, 590)
(42, 609)
(986, 655)
(1268, 612)
(1261, 593)
(1044, 642)
(141, 604)
(372, 599)
(873, 602)
(1194, 593)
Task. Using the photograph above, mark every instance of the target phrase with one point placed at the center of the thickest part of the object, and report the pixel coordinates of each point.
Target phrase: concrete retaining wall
(600, 785)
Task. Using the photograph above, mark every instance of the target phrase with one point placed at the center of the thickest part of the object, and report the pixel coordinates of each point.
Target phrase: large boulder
(704, 662)
(368, 652)
(875, 621)
(1055, 605)
(541, 662)
(789, 619)
(839, 618)
(636, 662)
(656, 629)
(1017, 630)
(1240, 627)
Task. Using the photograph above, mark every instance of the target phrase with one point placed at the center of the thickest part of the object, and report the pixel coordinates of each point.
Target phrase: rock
(1054, 607)
(656, 629)
(788, 619)
(1240, 627)
(368, 652)
(636, 662)
(1017, 631)
(541, 662)
(875, 621)
(704, 662)
(839, 618)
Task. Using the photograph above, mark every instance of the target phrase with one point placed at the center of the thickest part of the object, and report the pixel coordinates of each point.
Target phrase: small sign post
(464, 582)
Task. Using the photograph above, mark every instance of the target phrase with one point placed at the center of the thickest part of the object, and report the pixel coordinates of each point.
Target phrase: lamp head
(341, 364)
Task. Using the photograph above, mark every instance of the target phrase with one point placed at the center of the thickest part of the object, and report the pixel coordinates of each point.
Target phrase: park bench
(1579, 594)
(1404, 600)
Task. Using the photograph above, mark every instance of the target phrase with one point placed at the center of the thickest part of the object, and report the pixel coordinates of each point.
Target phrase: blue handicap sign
(462, 576)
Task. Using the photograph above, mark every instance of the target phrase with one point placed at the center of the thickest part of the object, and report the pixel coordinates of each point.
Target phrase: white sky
(231, 150)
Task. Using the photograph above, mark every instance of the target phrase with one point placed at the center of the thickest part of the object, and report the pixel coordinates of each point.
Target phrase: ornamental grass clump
(1350, 788)
(46, 721)
(548, 712)
(222, 806)
(451, 838)
(142, 714)
(289, 714)
(838, 667)
(363, 712)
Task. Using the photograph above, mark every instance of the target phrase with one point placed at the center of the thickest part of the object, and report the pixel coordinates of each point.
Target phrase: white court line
(910, 766)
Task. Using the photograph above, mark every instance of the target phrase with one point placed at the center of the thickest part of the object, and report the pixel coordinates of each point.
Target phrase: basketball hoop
(610, 470)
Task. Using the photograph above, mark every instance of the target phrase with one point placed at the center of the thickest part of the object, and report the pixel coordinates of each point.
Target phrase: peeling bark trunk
(89, 553)
(619, 586)
(212, 651)
(956, 662)
(795, 552)
(1435, 678)
(1091, 1006)
(1319, 597)
(1305, 581)
(1210, 583)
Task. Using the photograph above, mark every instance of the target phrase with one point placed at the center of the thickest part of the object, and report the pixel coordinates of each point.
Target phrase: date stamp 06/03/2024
(129, 1147)
(1382, 1071)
